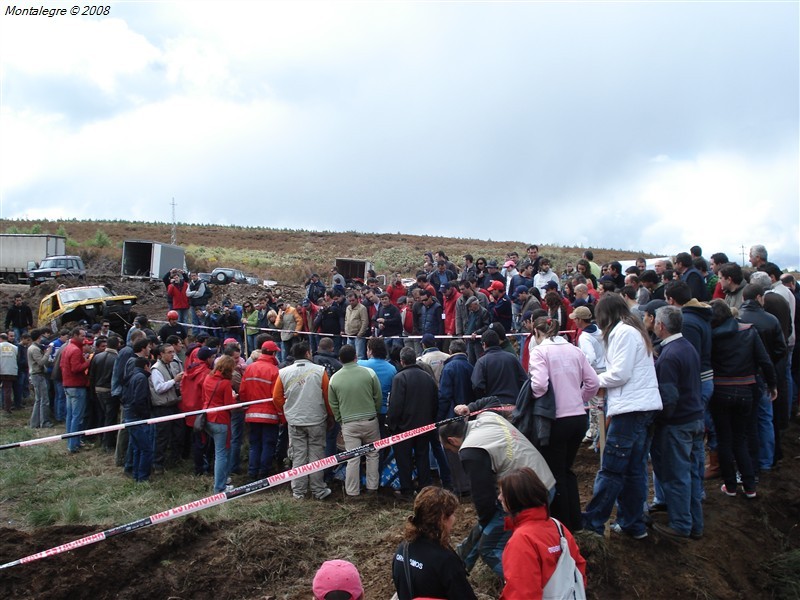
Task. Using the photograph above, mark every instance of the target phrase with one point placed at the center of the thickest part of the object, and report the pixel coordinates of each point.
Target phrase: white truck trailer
(144, 259)
(22, 252)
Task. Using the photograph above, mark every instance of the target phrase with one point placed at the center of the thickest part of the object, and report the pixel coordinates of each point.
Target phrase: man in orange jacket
(264, 418)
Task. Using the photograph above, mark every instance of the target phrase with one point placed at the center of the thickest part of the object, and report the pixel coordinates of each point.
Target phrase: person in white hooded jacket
(590, 342)
(632, 399)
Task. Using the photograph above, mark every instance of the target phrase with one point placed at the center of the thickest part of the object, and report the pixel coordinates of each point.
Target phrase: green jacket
(252, 324)
(354, 393)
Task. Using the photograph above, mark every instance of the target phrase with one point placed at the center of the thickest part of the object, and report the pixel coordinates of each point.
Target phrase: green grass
(45, 485)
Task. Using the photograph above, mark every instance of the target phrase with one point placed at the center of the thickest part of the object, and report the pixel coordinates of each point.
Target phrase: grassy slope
(287, 255)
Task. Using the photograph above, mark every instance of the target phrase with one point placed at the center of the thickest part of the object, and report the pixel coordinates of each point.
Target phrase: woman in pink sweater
(556, 362)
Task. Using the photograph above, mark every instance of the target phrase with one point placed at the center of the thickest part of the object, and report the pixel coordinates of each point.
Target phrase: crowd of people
(646, 365)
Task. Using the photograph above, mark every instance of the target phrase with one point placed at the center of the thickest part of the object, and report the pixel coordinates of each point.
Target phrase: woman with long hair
(217, 391)
(632, 400)
(529, 559)
(424, 564)
(555, 309)
(737, 352)
(584, 268)
(556, 363)
(481, 275)
(569, 290)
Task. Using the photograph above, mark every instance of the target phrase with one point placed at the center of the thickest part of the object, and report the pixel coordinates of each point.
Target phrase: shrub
(100, 239)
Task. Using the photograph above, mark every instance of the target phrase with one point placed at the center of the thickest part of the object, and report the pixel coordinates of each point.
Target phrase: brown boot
(712, 467)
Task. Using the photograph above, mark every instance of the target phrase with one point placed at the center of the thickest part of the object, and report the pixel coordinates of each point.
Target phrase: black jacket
(136, 399)
(498, 373)
(102, 368)
(392, 325)
(330, 320)
(20, 317)
(694, 279)
(769, 329)
(431, 319)
(678, 372)
(329, 361)
(697, 330)
(413, 400)
(736, 354)
(435, 571)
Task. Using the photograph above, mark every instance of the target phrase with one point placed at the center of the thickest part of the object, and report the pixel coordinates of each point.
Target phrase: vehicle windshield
(53, 263)
(77, 294)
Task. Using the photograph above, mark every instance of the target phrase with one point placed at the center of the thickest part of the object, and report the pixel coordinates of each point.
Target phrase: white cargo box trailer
(21, 252)
(144, 259)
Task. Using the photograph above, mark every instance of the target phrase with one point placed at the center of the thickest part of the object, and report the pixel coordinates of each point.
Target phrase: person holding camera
(176, 291)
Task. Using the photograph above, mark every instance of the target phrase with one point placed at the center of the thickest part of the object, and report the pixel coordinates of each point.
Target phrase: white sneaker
(323, 494)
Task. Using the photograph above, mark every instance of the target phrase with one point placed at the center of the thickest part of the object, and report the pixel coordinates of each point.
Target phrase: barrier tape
(109, 428)
(239, 492)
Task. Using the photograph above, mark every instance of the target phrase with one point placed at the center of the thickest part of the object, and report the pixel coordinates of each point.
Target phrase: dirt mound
(188, 558)
(748, 551)
(151, 295)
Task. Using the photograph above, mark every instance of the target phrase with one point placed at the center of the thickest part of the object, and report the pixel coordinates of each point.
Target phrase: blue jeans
(237, 435)
(183, 315)
(140, 440)
(487, 542)
(76, 407)
(706, 391)
(330, 448)
(60, 403)
(251, 343)
(263, 439)
(360, 345)
(21, 387)
(394, 342)
(623, 476)
(219, 433)
(196, 320)
(676, 450)
(766, 432)
(441, 459)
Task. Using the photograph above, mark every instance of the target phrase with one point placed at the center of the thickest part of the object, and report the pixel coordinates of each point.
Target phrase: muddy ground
(191, 558)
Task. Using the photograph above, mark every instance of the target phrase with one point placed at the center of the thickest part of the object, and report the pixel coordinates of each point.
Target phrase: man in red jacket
(75, 377)
(180, 301)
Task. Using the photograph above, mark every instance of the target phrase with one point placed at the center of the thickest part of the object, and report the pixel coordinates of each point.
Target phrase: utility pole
(174, 236)
(743, 263)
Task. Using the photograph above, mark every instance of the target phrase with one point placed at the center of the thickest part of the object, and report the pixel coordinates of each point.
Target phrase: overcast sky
(641, 126)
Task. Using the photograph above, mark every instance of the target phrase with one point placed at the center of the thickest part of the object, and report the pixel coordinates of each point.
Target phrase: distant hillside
(287, 255)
